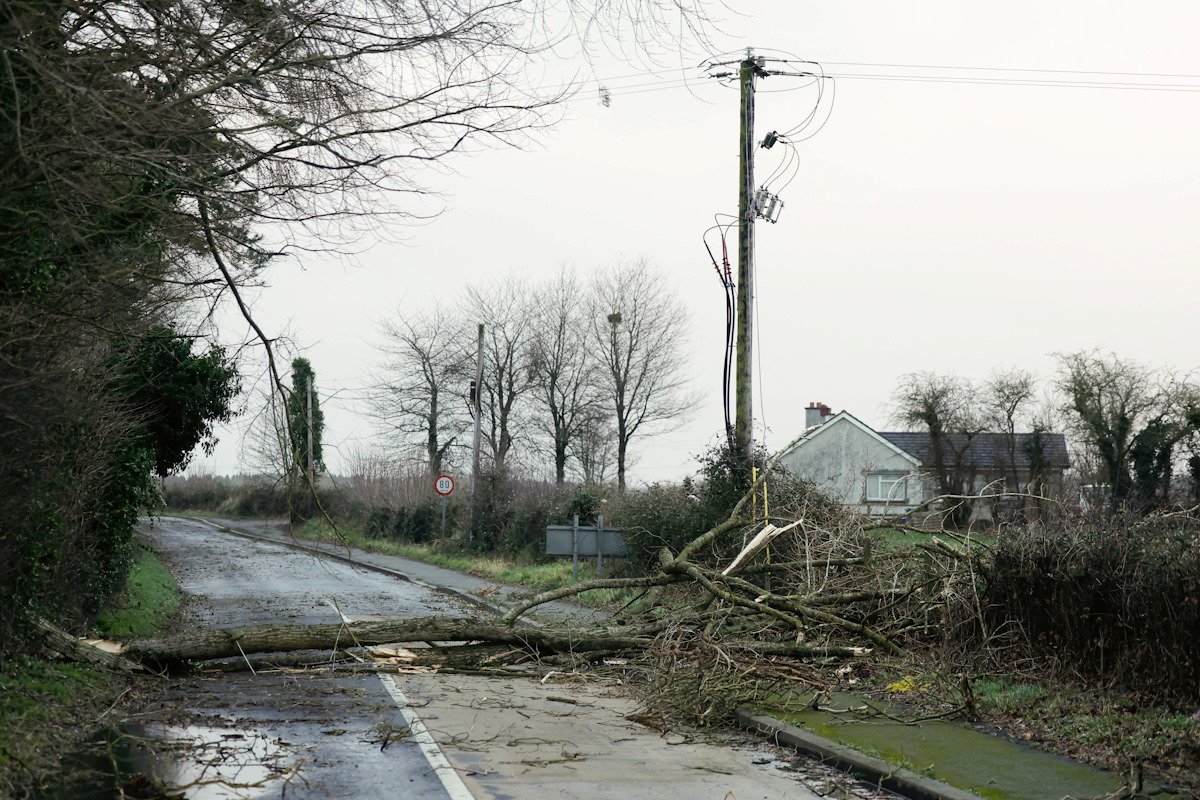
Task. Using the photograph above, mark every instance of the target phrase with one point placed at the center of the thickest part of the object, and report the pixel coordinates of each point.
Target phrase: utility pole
(477, 400)
(312, 487)
(309, 417)
(752, 204)
(743, 427)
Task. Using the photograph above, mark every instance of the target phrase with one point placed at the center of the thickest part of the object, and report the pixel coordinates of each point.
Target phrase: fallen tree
(821, 593)
(741, 611)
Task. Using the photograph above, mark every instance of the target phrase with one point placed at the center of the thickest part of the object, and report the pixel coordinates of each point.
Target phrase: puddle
(194, 762)
(959, 755)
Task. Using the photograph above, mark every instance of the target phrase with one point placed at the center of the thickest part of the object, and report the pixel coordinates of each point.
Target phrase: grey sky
(931, 226)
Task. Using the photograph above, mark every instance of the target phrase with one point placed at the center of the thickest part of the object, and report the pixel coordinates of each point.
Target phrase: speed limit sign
(444, 485)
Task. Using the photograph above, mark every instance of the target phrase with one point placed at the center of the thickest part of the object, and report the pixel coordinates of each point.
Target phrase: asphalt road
(298, 734)
(322, 733)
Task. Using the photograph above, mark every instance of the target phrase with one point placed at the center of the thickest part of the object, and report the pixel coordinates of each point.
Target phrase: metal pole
(600, 546)
(743, 429)
(475, 439)
(575, 549)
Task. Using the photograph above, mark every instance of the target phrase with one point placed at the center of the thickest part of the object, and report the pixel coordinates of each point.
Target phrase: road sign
(444, 485)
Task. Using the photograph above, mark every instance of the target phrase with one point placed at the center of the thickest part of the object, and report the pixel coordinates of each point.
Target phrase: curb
(889, 776)
(318, 551)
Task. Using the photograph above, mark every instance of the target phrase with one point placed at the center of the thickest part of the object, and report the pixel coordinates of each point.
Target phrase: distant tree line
(573, 372)
(1135, 429)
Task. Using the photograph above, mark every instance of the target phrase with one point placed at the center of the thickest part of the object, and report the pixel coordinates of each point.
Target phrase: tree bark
(231, 642)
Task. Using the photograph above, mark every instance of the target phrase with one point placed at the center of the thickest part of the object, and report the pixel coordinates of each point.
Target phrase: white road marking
(450, 779)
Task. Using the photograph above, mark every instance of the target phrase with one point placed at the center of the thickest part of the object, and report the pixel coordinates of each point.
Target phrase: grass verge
(147, 603)
(47, 706)
(1108, 729)
(537, 577)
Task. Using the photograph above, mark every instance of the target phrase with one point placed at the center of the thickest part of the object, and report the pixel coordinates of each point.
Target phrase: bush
(660, 516)
(670, 516)
(512, 515)
(1115, 602)
(196, 492)
(256, 500)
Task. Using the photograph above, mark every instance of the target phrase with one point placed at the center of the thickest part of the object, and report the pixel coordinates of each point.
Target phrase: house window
(887, 487)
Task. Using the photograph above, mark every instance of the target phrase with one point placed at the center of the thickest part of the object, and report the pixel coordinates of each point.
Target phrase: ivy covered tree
(1134, 421)
(305, 420)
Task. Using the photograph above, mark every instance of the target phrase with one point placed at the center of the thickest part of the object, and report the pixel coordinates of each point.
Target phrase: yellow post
(754, 489)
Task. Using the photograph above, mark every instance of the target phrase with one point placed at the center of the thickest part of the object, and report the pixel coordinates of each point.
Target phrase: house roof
(846, 417)
(986, 450)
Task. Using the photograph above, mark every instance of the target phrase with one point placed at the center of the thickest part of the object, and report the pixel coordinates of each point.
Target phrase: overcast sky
(930, 225)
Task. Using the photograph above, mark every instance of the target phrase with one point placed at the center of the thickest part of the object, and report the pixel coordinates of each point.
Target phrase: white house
(891, 473)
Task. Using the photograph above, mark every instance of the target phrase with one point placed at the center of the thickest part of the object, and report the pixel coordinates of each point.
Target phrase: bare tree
(638, 329)
(1006, 397)
(506, 309)
(564, 369)
(593, 448)
(422, 397)
(946, 407)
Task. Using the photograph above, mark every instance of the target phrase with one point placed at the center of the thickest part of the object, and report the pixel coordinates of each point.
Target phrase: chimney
(815, 414)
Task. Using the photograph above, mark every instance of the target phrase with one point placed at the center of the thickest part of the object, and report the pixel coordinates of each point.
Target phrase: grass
(48, 706)
(1105, 728)
(45, 707)
(537, 577)
(147, 603)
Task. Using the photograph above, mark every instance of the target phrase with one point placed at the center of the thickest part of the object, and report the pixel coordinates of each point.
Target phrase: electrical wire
(821, 76)
(1117, 85)
(1016, 69)
(725, 275)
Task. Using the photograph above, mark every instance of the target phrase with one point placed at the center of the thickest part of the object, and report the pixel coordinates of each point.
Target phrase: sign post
(577, 540)
(444, 485)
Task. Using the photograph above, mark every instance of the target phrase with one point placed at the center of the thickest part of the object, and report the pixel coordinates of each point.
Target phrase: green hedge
(1117, 602)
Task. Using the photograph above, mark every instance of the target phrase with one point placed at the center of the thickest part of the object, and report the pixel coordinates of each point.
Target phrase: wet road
(298, 734)
(236, 581)
(324, 733)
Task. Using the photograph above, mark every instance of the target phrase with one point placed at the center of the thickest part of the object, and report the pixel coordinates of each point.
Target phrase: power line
(1014, 69)
(1145, 87)
(616, 87)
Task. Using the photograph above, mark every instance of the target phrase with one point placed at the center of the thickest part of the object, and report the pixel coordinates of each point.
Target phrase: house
(883, 473)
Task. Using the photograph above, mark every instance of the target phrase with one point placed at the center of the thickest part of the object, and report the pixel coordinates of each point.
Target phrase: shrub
(196, 492)
(258, 499)
(512, 515)
(1116, 602)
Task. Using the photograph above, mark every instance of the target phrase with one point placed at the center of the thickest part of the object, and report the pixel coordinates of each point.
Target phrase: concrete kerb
(874, 770)
(889, 776)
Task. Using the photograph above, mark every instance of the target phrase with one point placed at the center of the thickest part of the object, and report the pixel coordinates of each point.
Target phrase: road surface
(325, 733)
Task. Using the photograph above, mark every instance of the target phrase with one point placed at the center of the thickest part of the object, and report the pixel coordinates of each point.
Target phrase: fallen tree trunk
(223, 643)
(231, 642)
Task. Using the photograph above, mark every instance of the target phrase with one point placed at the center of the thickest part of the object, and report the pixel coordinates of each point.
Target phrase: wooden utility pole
(475, 439)
(752, 204)
(309, 417)
(743, 427)
(312, 487)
